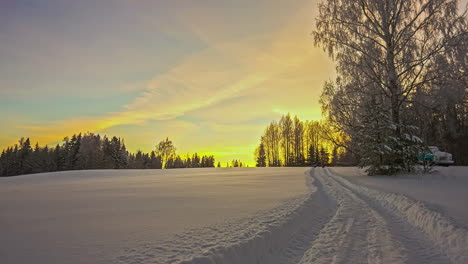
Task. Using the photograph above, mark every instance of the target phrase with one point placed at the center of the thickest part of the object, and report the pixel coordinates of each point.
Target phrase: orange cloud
(278, 71)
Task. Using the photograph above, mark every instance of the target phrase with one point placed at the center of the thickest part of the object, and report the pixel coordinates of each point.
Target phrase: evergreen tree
(381, 151)
(58, 159)
(261, 157)
(89, 151)
(334, 156)
(25, 164)
(388, 55)
(195, 161)
(73, 150)
(156, 162)
(311, 157)
(324, 157)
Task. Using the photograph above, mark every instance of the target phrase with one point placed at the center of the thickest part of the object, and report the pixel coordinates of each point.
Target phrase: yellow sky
(217, 99)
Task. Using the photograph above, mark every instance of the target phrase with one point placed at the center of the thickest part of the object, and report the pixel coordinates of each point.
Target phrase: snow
(445, 235)
(108, 215)
(444, 190)
(343, 238)
(417, 139)
(236, 215)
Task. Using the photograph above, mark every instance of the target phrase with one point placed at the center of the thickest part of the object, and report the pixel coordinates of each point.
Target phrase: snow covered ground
(445, 189)
(237, 215)
(413, 231)
(140, 216)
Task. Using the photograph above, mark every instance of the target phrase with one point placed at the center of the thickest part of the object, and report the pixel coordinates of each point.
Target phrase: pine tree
(334, 156)
(382, 151)
(311, 160)
(25, 151)
(261, 157)
(324, 157)
(90, 151)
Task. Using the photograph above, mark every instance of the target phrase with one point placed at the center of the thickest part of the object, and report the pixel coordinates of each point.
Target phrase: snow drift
(438, 228)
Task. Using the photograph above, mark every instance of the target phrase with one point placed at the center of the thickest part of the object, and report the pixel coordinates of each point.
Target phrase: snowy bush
(385, 147)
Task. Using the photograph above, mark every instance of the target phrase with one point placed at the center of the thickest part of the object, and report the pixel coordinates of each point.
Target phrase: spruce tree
(261, 157)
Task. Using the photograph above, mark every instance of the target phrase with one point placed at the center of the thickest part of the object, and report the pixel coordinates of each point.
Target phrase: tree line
(91, 151)
(234, 164)
(401, 79)
(292, 142)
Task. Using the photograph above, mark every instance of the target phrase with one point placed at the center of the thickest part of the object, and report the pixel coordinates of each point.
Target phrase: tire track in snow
(339, 222)
(355, 234)
(429, 236)
(417, 246)
(320, 210)
(277, 236)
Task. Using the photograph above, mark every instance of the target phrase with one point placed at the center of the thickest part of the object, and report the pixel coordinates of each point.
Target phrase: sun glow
(214, 99)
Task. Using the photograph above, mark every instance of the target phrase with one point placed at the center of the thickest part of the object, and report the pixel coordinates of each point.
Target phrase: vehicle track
(355, 234)
(340, 222)
(321, 209)
(428, 236)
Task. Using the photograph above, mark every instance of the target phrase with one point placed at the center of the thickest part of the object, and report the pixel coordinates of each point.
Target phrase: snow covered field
(134, 216)
(237, 215)
(445, 189)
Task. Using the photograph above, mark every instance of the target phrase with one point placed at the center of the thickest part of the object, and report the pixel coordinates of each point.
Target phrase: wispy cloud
(218, 90)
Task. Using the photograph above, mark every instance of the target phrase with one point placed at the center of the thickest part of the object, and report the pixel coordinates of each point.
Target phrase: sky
(210, 75)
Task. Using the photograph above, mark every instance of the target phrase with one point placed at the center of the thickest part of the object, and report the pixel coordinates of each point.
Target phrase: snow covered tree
(90, 154)
(89, 151)
(385, 51)
(380, 150)
(25, 152)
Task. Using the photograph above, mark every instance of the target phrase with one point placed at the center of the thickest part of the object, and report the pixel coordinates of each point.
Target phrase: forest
(401, 86)
(91, 151)
(401, 81)
(291, 142)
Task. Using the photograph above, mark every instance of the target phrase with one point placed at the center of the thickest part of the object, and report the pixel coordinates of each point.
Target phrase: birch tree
(286, 126)
(385, 50)
(166, 150)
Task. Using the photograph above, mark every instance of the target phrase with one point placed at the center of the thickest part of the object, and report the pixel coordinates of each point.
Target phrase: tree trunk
(394, 86)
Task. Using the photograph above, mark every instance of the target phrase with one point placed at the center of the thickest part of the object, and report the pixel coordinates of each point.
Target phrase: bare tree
(166, 150)
(391, 43)
(298, 142)
(271, 142)
(286, 126)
